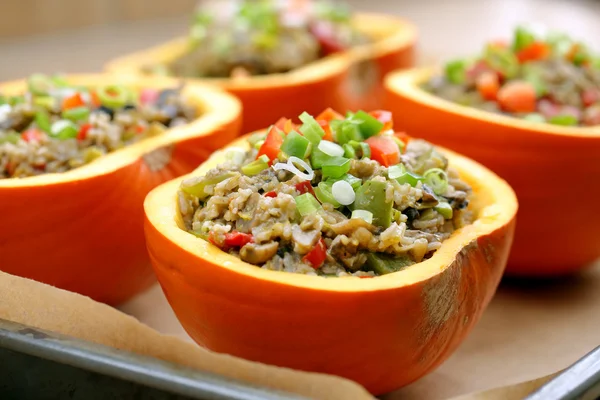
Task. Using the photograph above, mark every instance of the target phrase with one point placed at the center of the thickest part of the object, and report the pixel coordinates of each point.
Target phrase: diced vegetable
(73, 101)
(455, 71)
(343, 193)
(305, 187)
(318, 158)
(113, 96)
(296, 145)
(345, 131)
(311, 129)
(523, 39)
(335, 167)
(328, 132)
(237, 239)
(371, 196)
(564, 120)
(502, 60)
(329, 114)
(10, 137)
(383, 264)
(317, 256)
(83, 131)
(32, 135)
(436, 179)
(444, 209)
(271, 194)
(364, 215)
(384, 150)
(517, 96)
(351, 179)
(323, 193)
(403, 176)
(39, 84)
(196, 186)
(534, 52)
(256, 166)
(488, 85)
(349, 151)
(64, 129)
(385, 117)
(42, 120)
(271, 145)
(307, 204)
(76, 114)
(331, 149)
(369, 125)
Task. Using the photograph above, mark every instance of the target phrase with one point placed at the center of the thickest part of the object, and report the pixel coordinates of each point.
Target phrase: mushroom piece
(258, 253)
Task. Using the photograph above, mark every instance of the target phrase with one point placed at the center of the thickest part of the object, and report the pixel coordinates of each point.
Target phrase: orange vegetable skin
(540, 161)
(348, 80)
(310, 322)
(82, 230)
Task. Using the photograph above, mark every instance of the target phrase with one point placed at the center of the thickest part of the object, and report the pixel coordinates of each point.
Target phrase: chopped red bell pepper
(385, 117)
(305, 187)
(329, 114)
(517, 96)
(535, 51)
(271, 194)
(94, 99)
(272, 144)
(384, 150)
(73, 102)
(83, 131)
(237, 239)
(149, 96)
(325, 125)
(403, 136)
(32, 135)
(316, 257)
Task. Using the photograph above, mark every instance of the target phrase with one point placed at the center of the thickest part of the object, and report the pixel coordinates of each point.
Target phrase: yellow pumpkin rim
(408, 84)
(215, 107)
(496, 206)
(395, 33)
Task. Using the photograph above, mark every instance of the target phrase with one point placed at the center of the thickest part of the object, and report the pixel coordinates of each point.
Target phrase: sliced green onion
(564, 120)
(256, 166)
(335, 167)
(331, 149)
(311, 129)
(290, 166)
(444, 209)
(76, 113)
(325, 195)
(259, 144)
(236, 155)
(351, 179)
(296, 145)
(349, 151)
(396, 171)
(456, 71)
(523, 38)
(369, 125)
(113, 96)
(343, 193)
(318, 158)
(363, 214)
(403, 176)
(195, 186)
(436, 179)
(534, 117)
(257, 137)
(365, 150)
(46, 102)
(64, 129)
(42, 120)
(306, 204)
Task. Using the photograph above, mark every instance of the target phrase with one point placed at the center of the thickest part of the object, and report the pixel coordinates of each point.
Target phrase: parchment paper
(530, 330)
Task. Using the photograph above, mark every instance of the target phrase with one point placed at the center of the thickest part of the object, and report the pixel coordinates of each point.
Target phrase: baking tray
(37, 364)
(581, 381)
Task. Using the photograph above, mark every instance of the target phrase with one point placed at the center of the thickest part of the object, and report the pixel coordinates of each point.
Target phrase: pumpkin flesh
(348, 80)
(383, 332)
(545, 164)
(81, 230)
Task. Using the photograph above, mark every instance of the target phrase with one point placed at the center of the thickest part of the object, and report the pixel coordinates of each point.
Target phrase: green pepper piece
(502, 60)
(324, 194)
(335, 167)
(403, 176)
(39, 84)
(318, 158)
(371, 196)
(383, 264)
(42, 120)
(369, 125)
(456, 71)
(345, 131)
(444, 209)
(113, 96)
(76, 113)
(306, 204)
(523, 38)
(64, 129)
(296, 145)
(351, 179)
(256, 166)
(10, 137)
(349, 151)
(564, 120)
(311, 129)
(195, 186)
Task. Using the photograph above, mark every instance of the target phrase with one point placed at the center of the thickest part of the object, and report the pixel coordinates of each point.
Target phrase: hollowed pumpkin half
(349, 80)
(383, 332)
(82, 230)
(552, 169)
